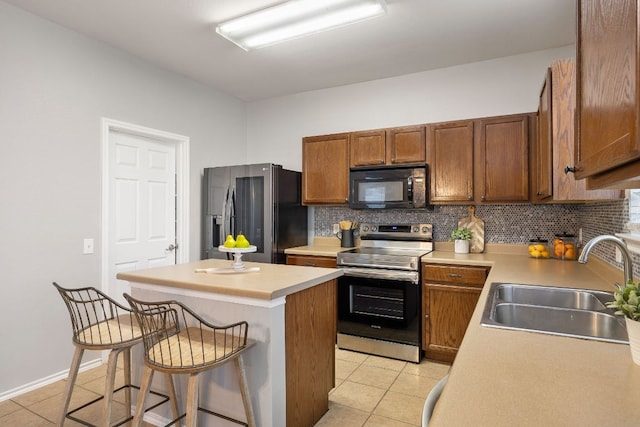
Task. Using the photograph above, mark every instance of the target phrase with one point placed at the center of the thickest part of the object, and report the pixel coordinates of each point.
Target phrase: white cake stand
(238, 265)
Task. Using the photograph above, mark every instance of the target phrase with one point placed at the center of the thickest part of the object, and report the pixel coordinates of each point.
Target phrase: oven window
(376, 301)
(387, 191)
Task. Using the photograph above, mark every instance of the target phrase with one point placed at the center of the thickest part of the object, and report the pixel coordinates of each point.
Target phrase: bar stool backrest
(97, 320)
(177, 339)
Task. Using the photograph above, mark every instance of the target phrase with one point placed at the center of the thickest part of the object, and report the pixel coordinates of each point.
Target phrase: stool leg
(147, 376)
(171, 392)
(71, 381)
(244, 390)
(192, 400)
(126, 355)
(109, 385)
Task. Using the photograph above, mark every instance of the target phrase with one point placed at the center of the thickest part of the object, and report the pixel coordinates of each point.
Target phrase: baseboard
(47, 380)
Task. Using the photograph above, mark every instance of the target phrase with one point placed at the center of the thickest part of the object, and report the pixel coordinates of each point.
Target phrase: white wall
(509, 85)
(55, 85)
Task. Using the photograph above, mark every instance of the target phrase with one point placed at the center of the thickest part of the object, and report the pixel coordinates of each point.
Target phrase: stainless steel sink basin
(579, 313)
(553, 297)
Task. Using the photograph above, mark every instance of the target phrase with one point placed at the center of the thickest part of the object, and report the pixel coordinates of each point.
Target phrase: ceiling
(414, 36)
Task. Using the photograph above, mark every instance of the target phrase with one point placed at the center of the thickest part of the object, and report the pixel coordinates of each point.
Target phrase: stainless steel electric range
(379, 296)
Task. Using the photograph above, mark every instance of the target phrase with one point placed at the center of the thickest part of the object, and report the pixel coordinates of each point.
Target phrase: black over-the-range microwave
(389, 188)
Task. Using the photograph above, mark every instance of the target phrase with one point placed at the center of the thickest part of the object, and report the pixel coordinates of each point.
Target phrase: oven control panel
(422, 232)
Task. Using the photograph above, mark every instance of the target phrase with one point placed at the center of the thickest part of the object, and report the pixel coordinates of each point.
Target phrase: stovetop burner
(389, 246)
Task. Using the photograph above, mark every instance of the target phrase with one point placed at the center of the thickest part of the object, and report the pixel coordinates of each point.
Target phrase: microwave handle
(410, 189)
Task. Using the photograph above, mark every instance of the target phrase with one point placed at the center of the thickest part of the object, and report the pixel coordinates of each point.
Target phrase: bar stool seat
(178, 341)
(100, 323)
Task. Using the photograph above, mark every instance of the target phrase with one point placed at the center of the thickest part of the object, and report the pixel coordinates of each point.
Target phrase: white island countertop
(270, 282)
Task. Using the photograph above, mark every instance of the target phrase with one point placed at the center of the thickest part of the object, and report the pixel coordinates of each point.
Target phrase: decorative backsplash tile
(513, 223)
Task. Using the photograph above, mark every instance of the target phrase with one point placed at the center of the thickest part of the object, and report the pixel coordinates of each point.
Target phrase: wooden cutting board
(476, 225)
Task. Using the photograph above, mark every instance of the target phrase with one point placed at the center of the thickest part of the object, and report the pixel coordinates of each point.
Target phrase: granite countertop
(505, 378)
(270, 282)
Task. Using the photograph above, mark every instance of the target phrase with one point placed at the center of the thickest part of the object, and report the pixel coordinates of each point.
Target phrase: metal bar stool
(178, 341)
(100, 323)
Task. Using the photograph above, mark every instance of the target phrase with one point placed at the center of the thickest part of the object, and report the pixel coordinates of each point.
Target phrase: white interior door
(141, 207)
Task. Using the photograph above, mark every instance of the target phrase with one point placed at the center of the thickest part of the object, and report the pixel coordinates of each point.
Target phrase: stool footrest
(70, 415)
(216, 414)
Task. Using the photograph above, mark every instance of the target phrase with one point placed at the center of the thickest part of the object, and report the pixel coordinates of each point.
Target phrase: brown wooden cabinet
(310, 337)
(368, 148)
(503, 158)
(608, 102)
(543, 154)
(451, 161)
(394, 146)
(325, 169)
(312, 261)
(450, 295)
(406, 145)
(555, 150)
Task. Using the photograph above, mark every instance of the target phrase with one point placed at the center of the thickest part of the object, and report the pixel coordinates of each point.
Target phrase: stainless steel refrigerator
(261, 201)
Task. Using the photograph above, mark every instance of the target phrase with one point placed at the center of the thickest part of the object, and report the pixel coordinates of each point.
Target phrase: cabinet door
(368, 148)
(543, 153)
(407, 145)
(607, 87)
(503, 161)
(566, 186)
(325, 169)
(447, 311)
(450, 154)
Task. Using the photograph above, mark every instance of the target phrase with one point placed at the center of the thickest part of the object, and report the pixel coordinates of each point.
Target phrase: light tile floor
(374, 391)
(370, 391)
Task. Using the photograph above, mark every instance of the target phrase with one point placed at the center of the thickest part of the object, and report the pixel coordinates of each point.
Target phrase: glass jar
(565, 247)
(539, 248)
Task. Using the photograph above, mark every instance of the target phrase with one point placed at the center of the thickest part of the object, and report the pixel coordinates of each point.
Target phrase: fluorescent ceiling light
(296, 18)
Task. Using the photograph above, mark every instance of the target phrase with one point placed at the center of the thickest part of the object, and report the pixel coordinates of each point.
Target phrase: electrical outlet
(336, 228)
(87, 246)
(618, 255)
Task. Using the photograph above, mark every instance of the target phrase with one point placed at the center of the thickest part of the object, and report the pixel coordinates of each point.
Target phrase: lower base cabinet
(450, 295)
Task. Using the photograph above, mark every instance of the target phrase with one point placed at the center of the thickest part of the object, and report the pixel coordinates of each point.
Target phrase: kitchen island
(505, 377)
(291, 313)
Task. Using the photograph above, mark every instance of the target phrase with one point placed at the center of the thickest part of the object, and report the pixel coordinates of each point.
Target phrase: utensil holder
(347, 238)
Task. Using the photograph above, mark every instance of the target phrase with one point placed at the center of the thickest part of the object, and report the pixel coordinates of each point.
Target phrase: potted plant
(461, 238)
(627, 304)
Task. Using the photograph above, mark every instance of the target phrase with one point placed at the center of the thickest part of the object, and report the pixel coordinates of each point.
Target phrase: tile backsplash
(512, 223)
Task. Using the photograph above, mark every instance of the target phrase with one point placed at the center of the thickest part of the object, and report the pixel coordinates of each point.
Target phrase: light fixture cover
(296, 18)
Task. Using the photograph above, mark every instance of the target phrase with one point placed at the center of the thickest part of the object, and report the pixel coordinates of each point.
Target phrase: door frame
(181, 144)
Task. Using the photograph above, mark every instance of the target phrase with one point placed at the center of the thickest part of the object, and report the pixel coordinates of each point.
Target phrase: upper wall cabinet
(503, 159)
(406, 145)
(394, 146)
(543, 153)
(555, 146)
(450, 154)
(368, 148)
(325, 169)
(608, 104)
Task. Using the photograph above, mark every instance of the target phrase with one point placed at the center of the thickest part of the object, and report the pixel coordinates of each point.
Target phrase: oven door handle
(373, 273)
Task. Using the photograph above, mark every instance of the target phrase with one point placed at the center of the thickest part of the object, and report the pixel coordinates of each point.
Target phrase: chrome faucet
(626, 255)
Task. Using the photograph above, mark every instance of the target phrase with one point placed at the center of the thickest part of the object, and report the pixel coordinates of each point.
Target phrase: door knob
(171, 248)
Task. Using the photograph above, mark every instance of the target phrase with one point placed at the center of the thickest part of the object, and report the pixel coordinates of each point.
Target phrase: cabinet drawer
(467, 275)
(312, 261)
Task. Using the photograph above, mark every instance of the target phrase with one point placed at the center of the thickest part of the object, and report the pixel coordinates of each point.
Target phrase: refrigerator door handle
(223, 229)
(232, 212)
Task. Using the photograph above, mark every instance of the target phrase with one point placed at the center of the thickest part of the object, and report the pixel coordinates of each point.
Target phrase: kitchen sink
(570, 312)
(553, 297)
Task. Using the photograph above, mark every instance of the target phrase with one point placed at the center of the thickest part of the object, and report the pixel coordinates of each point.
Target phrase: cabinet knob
(469, 197)
(382, 161)
(483, 198)
(571, 169)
